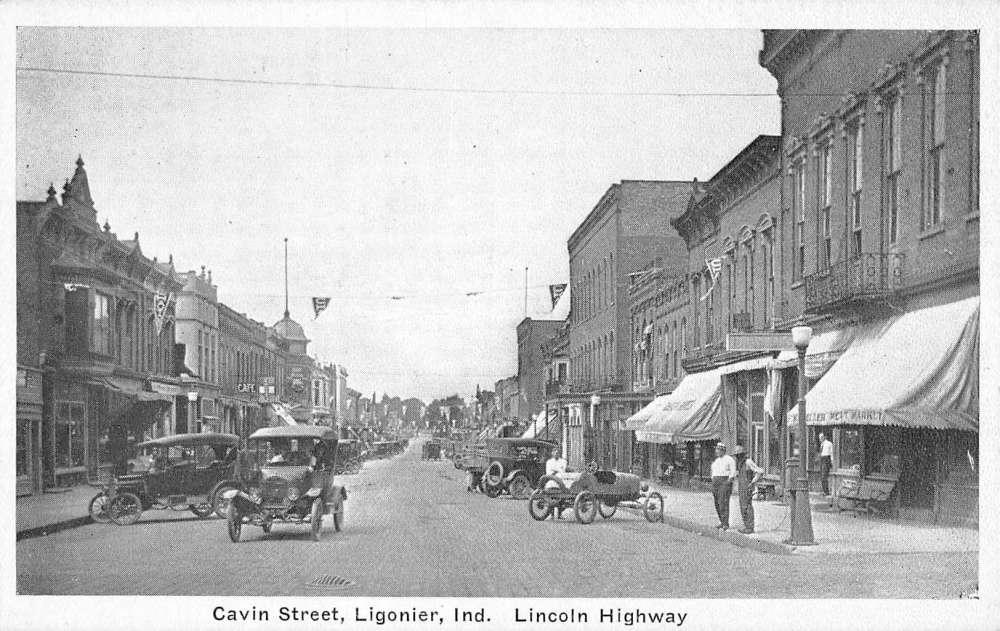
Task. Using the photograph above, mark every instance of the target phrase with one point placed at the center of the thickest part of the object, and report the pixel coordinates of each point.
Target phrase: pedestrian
(555, 466)
(825, 462)
(748, 474)
(723, 474)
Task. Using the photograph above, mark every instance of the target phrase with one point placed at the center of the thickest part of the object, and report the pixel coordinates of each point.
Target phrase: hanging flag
(160, 304)
(714, 269)
(319, 304)
(556, 292)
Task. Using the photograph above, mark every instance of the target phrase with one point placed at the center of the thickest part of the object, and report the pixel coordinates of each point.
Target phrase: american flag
(714, 269)
(319, 304)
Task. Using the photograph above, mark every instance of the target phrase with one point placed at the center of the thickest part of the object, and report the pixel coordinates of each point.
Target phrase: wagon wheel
(652, 510)
(520, 487)
(539, 506)
(494, 473)
(608, 509)
(125, 508)
(98, 508)
(585, 507)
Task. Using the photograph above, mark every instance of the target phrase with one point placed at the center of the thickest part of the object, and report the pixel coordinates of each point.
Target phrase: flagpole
(526, 291)
(286, 278)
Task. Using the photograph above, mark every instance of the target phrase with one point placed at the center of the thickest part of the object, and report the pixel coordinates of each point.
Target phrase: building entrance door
(917, 469)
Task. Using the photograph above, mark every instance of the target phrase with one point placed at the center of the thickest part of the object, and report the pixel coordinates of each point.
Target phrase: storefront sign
(759, 341)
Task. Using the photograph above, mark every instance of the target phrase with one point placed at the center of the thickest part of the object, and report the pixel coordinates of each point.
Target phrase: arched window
(668, 347)
(683, 341)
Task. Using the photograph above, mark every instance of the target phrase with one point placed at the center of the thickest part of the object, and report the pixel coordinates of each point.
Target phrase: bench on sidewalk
(869, 494)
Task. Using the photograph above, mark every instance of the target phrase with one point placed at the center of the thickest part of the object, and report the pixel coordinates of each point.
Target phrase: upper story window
(100, 338)
(798, 176)
(935, 100)
(855, 183)
(893, 160)
(824, 173)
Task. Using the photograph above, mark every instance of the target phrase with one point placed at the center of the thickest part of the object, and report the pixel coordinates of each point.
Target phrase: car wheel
(219, 503)
(316, 518)
(519, 487)
(539, 506)
(607, 510)
(652, 510)
(125, 508)
(202, 510)
(234, 523)
(98, 508)
(585, 507)
(494, 473)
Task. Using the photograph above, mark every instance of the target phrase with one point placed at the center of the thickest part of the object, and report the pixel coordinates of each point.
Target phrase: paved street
(412, 530)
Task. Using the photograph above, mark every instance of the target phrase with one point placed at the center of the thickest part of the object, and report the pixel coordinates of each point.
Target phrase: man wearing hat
(747, 476)
(723, 474)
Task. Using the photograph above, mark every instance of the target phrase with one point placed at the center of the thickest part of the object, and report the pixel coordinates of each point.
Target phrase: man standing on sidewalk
(825, 462)
(748, 475)
(723, 473)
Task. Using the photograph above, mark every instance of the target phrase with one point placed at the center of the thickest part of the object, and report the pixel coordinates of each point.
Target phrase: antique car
(292, 481)
(514, 465)
(432, 449)
(178, 472)
(350, 456)
(594, 491)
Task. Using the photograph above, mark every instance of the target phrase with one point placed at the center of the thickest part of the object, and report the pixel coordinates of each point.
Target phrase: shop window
(22, 438)
(774, 455)
(881, 451)
(100, 341)
(757, 445)
(850, 448)
(70, 423)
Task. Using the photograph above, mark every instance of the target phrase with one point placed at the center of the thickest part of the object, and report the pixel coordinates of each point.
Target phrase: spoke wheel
(234, 523)
(202, 510)
(98, 508)
(539, 506)
(125, 508)
(519, 487)
(585, 507)
(607, 510)
(652, 510)
(219, 503)
(494, 474)
(316, 518)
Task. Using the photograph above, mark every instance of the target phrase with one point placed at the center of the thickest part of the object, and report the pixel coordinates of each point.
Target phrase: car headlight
(254, 494)
(293, 493)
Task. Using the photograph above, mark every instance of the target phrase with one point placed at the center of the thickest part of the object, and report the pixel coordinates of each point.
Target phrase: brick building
(197, 328)
(95, 325)
(879, 234)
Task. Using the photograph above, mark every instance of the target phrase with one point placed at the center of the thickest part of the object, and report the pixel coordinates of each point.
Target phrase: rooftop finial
(107, 226)
(51, 192)
(79, 160)
(203, 271)
(170, 259)
(209, 277)
(136, 236)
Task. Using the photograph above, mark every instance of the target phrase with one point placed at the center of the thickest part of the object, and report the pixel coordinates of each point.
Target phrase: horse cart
(591, 492)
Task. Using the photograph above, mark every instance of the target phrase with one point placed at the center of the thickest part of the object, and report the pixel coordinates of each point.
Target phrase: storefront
(684, 426)
(902, 404)
(28, 432)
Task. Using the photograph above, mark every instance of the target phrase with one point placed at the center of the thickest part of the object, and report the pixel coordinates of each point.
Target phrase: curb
(729, 536)
(48, 529)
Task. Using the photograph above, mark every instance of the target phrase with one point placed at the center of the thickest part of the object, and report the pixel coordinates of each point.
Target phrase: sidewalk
(834, 533)
(44, 513)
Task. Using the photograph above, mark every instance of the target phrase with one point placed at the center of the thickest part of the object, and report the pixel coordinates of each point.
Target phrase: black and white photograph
(477, 326)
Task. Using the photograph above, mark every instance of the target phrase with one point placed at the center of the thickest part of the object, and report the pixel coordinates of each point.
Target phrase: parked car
(512, 465)
(292, 481)
(178, 472)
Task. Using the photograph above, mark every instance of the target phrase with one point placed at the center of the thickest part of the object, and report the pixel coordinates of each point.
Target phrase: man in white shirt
(723, 474)
(556, 467)
(825, 461)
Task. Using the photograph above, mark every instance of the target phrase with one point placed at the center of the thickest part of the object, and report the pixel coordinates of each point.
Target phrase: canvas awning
(690, 413)
(281, 412)
(538, 426)
(919, 369)
(637, 420)
(824, 349)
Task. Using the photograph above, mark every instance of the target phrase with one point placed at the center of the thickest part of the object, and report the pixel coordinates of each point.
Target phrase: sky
(408, 168)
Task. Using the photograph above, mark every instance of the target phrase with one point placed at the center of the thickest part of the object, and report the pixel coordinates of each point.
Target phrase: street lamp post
(802, 530)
